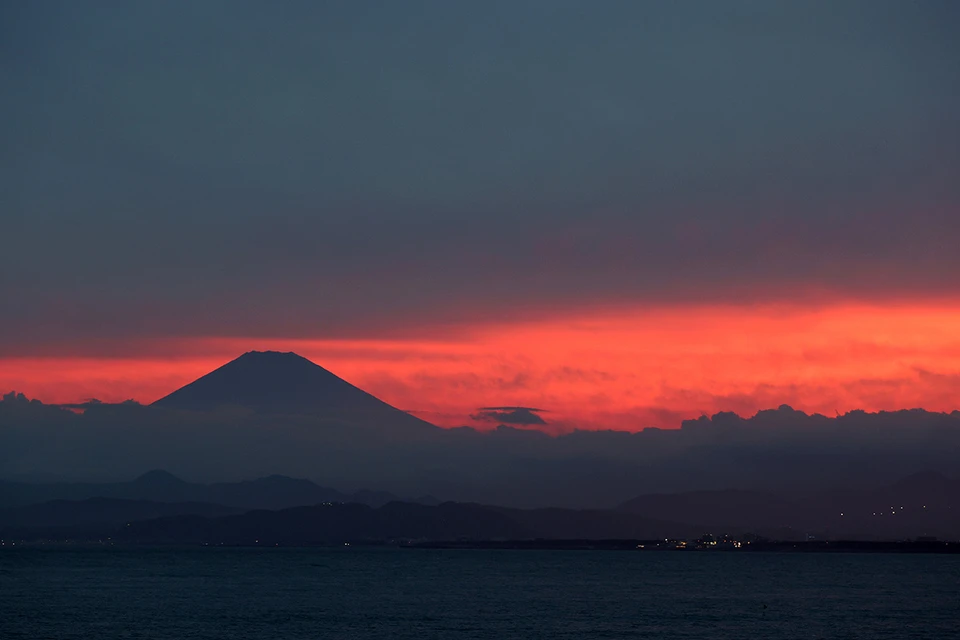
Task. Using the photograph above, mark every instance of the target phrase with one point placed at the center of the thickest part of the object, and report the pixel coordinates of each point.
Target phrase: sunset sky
(623, 213)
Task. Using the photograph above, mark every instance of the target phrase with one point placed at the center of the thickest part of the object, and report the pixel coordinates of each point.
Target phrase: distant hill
(272, 492)
(925, 503)
(397, 522)
(271, 382)
(96, 514)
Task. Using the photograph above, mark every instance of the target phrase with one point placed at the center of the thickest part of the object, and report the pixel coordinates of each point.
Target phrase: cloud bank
(781, 449)
(509, 415)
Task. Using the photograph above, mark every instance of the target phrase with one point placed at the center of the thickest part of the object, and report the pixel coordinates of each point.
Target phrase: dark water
(380, 593)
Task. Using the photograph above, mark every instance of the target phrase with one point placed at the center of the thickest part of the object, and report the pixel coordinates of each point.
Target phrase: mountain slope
(271, 382)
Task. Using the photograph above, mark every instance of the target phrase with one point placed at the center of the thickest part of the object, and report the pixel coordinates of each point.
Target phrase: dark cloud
(509, 415)
(775, 449)
(238, 167)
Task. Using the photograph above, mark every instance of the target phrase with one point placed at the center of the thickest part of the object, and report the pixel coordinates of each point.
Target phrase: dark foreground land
(763, 546)
(446, 525)
(820, 546)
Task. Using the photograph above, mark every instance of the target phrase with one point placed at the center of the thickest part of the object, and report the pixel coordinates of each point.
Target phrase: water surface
(353, 593)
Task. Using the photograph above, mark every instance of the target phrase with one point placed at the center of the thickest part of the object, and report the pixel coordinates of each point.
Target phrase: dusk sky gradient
(624, 213)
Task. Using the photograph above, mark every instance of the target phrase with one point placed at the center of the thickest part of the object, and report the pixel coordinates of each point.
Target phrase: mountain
(272, 492)
(159, 479)
(270, 382)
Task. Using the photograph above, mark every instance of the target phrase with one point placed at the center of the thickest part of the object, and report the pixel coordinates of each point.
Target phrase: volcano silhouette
(271, 382)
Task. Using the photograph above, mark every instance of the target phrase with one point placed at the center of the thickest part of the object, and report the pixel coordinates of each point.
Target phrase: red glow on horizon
(624, 369)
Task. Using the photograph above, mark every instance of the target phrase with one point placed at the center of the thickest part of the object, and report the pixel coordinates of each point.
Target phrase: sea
(354, 592)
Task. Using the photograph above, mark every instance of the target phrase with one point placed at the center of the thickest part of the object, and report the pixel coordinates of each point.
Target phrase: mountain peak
(158, 477)
(286, 355)
(275, 382)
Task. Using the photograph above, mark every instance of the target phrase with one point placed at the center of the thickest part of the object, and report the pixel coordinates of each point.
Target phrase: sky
(622, 213)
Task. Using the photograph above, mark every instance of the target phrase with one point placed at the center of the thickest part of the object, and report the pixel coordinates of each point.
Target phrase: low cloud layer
(509, 415)
(775, 449)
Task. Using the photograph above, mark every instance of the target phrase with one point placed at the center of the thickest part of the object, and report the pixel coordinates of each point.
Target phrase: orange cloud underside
(623, 369)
